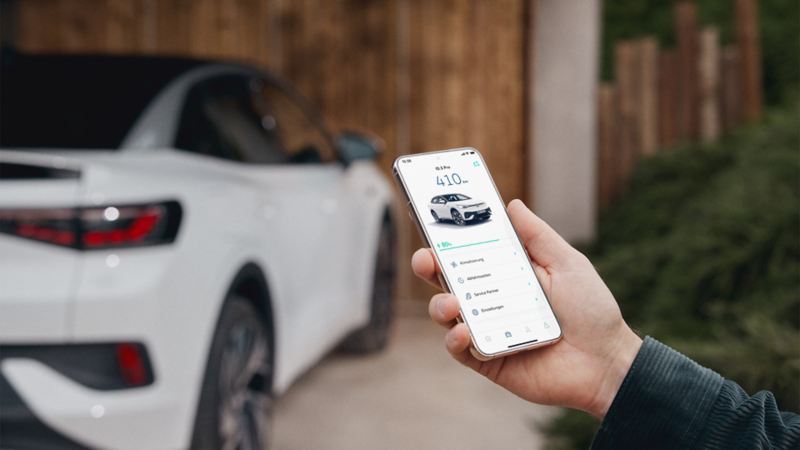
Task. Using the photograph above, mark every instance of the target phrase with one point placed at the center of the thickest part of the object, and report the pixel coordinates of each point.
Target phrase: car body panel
(24, 291)
(312, 230)
(469, 208)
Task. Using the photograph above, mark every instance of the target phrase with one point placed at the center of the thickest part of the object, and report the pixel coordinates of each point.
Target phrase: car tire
(374, 336)
(236, 397)
(458, 219)
(435, 216)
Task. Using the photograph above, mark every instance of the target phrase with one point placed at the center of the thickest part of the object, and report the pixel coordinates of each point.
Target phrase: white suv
(179, 241)
(459, 208)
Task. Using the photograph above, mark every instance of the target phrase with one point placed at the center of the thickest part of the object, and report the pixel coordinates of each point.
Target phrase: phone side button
(411, 213)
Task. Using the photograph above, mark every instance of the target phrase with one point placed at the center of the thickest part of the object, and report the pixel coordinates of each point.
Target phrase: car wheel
(236, 398)
(375, 335)
(457, 217)
(435, 216)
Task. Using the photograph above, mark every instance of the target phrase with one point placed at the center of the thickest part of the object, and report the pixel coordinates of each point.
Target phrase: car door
(298, 197)
(441, 207)
(335, 208)
(437, 207)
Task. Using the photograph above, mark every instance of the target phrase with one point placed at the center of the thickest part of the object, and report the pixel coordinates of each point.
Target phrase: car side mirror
(354, 146)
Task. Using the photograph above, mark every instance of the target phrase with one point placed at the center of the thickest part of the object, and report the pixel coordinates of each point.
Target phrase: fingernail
(440, 306)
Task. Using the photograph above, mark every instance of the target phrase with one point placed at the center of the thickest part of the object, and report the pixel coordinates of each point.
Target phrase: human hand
(585, 369)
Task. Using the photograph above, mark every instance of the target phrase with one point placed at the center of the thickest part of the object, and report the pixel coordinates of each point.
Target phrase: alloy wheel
(244, 395)
(457, 217)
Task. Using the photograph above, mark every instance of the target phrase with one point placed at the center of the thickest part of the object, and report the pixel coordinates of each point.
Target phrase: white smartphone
(460, 215)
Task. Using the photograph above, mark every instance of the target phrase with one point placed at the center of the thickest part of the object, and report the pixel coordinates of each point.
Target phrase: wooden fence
(664, 97)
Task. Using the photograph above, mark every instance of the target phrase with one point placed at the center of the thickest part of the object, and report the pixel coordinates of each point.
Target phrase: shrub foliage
(703, 253)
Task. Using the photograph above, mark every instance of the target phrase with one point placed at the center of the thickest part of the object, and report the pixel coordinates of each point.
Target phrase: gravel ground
(412, 396)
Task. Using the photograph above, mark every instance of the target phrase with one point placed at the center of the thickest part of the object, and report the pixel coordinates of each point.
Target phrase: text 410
(449, 180)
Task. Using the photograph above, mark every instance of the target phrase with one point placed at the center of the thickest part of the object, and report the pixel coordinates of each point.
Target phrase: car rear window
(77, 101)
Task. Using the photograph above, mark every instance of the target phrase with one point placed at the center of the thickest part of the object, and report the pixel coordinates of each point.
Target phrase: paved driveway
(413, 396)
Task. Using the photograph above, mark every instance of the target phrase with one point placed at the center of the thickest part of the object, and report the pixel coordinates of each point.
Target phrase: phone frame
(474, 349)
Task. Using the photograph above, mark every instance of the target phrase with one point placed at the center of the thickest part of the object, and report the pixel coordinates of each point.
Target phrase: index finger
(544, 245)
(424, 265)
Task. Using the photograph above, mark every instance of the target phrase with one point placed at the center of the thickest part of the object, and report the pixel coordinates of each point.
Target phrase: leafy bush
(704, 254)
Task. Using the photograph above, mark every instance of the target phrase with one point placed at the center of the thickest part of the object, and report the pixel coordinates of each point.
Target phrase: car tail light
(132, 364)
(95, 228)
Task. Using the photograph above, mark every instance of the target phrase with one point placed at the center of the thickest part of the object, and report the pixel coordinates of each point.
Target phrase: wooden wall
(423, 75)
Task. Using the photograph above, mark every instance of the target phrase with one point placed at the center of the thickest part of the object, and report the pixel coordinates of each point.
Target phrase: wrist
(622, 355)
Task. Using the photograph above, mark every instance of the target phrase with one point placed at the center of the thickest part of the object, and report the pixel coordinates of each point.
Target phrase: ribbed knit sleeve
(667, 401)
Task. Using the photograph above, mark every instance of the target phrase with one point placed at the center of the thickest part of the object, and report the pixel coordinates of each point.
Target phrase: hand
(586, 368)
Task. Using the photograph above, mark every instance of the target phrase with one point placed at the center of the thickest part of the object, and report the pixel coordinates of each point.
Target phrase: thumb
(544, 245)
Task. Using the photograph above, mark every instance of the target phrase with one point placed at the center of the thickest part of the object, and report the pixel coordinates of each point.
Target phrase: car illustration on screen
(459, 208)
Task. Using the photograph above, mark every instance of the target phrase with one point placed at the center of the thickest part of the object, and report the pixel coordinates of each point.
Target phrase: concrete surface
(412, 396)
(562, 163)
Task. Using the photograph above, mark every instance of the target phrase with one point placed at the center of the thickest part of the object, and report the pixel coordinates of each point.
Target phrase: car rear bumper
(21, 429)
(43, 408)
(136, 301)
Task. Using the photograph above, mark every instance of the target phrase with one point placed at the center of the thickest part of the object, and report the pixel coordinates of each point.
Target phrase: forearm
(669, 401)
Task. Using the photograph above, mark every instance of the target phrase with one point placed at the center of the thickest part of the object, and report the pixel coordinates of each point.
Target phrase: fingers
(546, 247)
(443, 309)
(543, 277)
(424, 266)
(457, 342)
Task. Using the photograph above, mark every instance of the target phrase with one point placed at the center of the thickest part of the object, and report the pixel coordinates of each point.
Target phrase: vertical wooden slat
(686, 36)
(204, 29)
(607, 148)
(124, 26)
(748, 42)
(173, 20)
(731, 88)
(627, 106)
(647, 61)
(229, 28)
(82, 26)
(667, 98)
(31, 35)
(709, 85)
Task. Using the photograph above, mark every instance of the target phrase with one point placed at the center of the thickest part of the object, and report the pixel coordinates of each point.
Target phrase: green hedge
(704, 254)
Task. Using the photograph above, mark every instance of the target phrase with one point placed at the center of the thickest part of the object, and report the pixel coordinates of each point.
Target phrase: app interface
(480, 255)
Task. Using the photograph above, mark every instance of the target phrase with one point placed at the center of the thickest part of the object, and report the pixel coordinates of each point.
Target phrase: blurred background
(662, 138)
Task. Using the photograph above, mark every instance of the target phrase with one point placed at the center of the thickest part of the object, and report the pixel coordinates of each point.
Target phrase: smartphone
(460, 215)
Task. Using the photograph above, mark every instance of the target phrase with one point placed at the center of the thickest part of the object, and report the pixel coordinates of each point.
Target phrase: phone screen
(482, 259)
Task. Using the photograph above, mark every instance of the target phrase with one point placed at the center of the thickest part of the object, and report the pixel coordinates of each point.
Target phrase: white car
(179, 241)
(459, 208)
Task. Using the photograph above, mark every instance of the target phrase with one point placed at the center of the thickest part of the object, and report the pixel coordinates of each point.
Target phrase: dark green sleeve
(669, 401)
